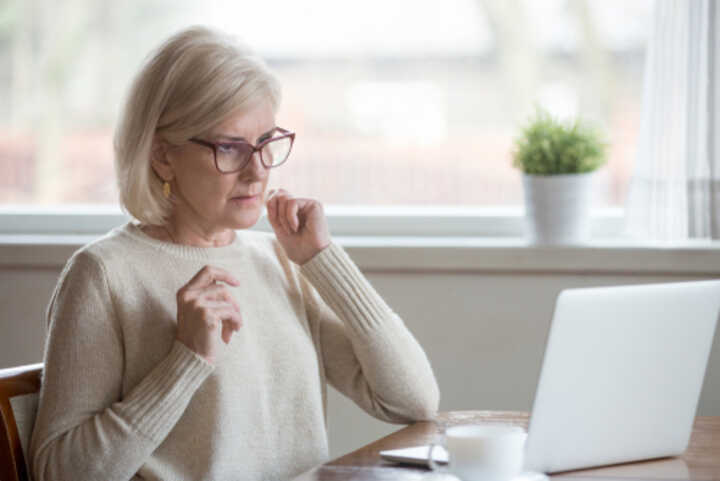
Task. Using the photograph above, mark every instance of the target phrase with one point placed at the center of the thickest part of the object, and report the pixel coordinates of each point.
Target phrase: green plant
(549, 147)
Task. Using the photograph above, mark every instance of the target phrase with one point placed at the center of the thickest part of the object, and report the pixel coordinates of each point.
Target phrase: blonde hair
(190, 84)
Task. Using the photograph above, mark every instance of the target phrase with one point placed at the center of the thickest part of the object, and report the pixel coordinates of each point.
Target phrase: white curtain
(675, 191)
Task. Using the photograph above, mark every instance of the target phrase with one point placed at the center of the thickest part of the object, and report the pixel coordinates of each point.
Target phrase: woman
(179, 348)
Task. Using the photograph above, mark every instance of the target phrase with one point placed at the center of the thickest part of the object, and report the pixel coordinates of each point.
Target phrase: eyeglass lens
(231, 157)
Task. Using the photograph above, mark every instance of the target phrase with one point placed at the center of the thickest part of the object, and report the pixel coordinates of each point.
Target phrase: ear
(159, 159)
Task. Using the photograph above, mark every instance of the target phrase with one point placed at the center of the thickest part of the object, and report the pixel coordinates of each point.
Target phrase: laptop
(621, 377)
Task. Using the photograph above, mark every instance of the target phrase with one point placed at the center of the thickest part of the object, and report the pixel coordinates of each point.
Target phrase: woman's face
(208, 198)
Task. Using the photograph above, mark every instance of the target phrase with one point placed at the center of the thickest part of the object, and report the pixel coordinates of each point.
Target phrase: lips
(246, 196)
(242, 195)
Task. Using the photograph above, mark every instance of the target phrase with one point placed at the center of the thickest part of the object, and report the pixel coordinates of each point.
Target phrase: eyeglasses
(233, 156)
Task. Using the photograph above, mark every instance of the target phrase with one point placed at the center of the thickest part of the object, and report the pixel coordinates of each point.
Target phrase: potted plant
(558, 162)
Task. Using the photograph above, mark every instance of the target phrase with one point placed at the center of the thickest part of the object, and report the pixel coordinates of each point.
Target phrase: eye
(226, 148)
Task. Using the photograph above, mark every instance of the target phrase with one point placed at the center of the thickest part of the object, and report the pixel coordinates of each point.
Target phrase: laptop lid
(622, 374)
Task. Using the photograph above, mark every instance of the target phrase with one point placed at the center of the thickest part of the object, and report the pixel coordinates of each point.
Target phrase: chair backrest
(19, 390)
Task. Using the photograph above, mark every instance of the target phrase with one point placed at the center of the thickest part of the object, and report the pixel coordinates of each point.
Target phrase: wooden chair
(19, 390)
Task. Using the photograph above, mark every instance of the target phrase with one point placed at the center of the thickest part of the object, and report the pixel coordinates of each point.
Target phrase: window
(405, 103)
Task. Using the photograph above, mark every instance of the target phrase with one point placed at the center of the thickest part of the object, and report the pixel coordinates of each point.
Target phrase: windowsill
(343, 220)
(451, 254)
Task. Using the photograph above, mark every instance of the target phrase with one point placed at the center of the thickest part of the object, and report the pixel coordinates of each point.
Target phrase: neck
(197, 236)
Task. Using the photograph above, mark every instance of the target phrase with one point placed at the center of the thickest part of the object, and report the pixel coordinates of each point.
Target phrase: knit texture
(122, 399)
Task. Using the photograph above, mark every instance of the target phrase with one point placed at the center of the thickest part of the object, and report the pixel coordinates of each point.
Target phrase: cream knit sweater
(121, 399)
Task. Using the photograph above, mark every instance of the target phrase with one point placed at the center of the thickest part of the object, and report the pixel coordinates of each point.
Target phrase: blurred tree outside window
(404, 102)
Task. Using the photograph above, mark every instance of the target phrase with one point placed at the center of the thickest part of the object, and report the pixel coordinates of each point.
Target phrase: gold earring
(166, 190)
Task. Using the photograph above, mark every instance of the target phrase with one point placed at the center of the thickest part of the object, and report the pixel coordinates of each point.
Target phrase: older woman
(182, 345)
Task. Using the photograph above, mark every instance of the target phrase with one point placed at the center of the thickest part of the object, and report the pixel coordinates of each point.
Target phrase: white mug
(487, 452)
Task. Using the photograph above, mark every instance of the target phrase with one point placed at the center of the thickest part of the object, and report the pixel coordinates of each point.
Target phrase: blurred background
(405, 102)
(396, 102)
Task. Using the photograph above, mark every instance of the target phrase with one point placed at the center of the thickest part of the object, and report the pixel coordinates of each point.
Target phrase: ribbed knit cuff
(346, 290)
(154, 406)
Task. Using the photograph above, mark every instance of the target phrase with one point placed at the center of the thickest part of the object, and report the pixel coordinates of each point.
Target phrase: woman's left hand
(299, 224)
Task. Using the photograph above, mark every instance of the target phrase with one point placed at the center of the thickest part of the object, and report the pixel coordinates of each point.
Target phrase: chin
(245, 219)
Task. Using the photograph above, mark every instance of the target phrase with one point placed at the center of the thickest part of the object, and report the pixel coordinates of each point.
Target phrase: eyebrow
(230, 137)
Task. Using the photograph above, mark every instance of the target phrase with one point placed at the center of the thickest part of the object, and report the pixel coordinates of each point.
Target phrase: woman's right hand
(203, 306)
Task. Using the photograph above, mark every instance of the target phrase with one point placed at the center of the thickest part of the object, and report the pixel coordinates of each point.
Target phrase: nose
(255, 168)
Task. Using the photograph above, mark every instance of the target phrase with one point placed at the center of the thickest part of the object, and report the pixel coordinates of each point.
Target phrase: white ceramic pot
(557, 207)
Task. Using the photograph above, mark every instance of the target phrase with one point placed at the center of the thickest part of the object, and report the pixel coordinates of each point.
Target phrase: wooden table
(701, 461)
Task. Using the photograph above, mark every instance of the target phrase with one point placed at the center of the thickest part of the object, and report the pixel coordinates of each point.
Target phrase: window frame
(343, 220)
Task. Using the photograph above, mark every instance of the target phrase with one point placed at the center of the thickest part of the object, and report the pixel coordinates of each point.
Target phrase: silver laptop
(621, 377)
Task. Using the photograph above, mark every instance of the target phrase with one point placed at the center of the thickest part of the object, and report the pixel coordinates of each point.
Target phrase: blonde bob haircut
(190, 84)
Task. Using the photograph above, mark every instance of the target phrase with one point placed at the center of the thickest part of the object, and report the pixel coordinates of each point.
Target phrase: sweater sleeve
(84, 429)
(368, 353)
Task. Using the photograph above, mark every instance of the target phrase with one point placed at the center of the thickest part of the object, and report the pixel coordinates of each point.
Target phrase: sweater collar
(132, 229)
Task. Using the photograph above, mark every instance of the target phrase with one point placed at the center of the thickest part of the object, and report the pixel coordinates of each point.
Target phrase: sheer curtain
(675, 190)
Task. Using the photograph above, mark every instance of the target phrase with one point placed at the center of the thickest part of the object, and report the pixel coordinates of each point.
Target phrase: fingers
(274, 214)
(230, 323)
(227, 333)
(292, 214)
(272, 208)
(280, 204)
(226, 314)
(223, 307)
(208, 275)
(284, 209)
(272, 194)
(218, 292)
(213, 303)
(282, 212)
(206, 309)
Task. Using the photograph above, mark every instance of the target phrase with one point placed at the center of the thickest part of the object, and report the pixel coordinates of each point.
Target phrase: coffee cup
(487, 452)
